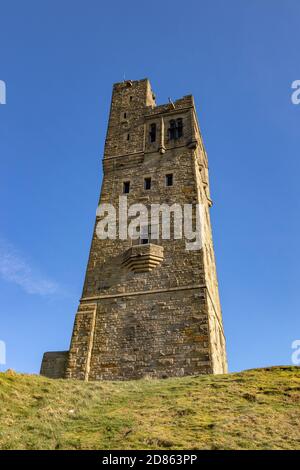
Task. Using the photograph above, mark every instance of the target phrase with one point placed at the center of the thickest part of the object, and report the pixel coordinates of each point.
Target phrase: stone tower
(148, 307)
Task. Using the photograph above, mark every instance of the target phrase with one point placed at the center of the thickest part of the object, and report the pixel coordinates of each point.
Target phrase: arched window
(152, 133)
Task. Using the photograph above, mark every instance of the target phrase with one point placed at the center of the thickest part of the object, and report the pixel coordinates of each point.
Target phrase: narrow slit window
(172, 130)
(152, 132)
(126, 187)
(128, 136)
(147, 183)
(125, 115)
(169, 179)
(179, 127)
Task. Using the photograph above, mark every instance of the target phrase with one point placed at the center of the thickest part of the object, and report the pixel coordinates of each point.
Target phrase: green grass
(255, 409)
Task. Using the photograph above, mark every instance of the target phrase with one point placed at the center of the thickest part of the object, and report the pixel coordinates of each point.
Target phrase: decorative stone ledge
(143, 258)
(192, 144)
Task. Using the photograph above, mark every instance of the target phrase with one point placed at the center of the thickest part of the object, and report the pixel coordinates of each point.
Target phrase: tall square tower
(149, 307)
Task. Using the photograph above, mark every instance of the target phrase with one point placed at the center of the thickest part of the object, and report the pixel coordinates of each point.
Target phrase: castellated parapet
(148, 308)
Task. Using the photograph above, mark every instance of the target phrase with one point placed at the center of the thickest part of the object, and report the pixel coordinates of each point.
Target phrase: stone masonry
(152, 308)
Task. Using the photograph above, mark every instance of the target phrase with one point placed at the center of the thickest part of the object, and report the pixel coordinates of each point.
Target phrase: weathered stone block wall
(157, 334)
(54, 364)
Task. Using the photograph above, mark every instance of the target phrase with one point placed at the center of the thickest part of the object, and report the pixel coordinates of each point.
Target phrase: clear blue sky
(59, 60)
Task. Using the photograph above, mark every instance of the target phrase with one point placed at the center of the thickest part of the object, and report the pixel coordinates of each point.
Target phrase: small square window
(147, 183)
(126, 187)
(169, 179)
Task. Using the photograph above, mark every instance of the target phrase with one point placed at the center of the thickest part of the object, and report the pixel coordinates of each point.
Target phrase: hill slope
(255, 409)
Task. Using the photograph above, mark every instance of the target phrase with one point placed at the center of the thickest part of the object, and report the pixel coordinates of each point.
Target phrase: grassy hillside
(255, 409)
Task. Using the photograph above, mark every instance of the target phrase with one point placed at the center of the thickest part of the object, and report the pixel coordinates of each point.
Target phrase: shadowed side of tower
(149, 307)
